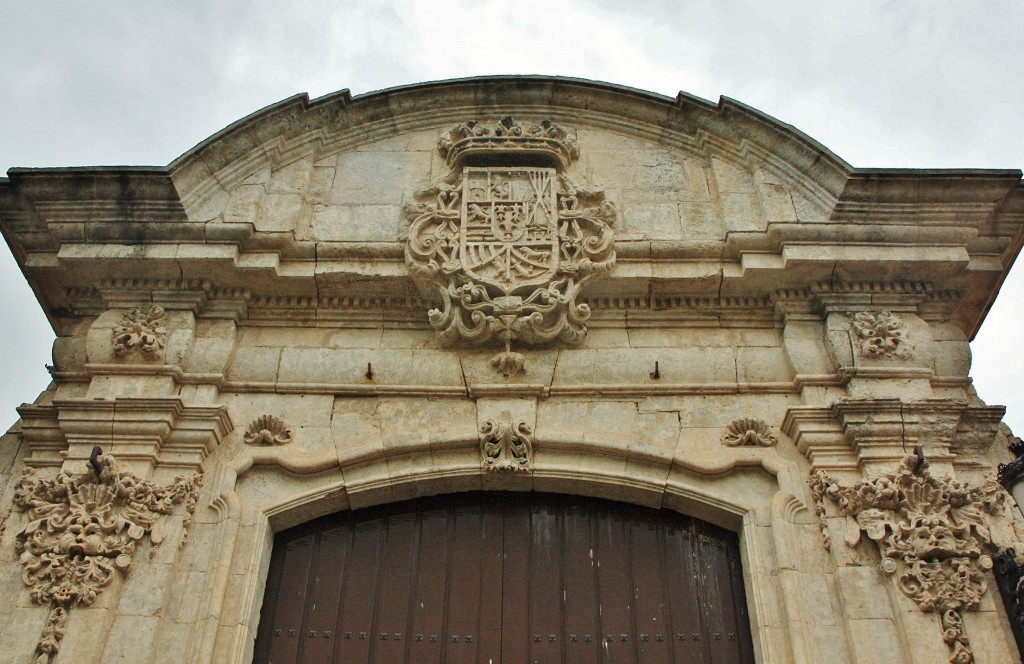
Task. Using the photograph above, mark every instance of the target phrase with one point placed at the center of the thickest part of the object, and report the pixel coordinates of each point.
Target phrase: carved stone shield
(509, 226)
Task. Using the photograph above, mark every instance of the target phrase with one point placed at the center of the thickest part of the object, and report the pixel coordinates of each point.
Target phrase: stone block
(357, 223)
(280, 213)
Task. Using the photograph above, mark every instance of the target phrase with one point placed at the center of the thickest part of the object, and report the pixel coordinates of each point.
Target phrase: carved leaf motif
(880, 334)
(141, 330)
(932, 534)
(82, 531)
(506, 445)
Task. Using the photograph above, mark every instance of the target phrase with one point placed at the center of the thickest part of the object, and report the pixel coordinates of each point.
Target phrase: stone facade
(518, 284)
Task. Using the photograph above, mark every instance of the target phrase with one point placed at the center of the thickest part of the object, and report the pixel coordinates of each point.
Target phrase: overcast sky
(882, 84)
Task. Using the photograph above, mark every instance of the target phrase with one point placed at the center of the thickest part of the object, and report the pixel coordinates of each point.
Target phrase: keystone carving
(931, 533)
(82, 532)
(880, 334)
(267, 430)
(141, 330)
(507, 249)
(749, 431)
(506, 445)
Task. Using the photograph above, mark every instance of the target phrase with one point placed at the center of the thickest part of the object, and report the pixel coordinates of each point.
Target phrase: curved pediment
(309, 199)
(683, 170)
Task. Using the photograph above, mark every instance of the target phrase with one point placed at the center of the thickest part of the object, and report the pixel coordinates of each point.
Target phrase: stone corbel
(874, 435)
(146, 434)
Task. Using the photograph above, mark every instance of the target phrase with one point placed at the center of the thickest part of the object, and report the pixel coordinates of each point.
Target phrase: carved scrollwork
(141, 330)
(880, 334)
(932, 534)
(749, 431)
(82, 532)
(506, 445)
(507, 249)
(267, 430)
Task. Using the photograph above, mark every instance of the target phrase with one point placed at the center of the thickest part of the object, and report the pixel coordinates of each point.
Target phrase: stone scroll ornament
(932, 534)
(880, 334)
(82, 532)
(140, 330)
(506, 445)
(508, 239)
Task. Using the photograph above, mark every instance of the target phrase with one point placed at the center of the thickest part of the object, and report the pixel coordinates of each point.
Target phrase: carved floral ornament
(749, 431)
(507, 248)
(880, 334)
(506, 445)
(82, 532)
(267, 430)
(141, 330)
(932, 534)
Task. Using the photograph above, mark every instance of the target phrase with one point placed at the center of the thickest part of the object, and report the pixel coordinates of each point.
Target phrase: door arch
(505, 578)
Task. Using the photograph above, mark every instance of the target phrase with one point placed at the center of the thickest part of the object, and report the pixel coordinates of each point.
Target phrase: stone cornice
(959, 229)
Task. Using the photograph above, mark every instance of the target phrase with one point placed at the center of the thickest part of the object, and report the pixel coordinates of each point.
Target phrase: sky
(880, 83)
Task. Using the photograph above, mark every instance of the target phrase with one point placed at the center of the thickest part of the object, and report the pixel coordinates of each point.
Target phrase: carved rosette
(932, 534)
(507, 249)
(506, 445)
(141, 330)
(82, 532)
(267, 430)
(749, 431)
(880, 334)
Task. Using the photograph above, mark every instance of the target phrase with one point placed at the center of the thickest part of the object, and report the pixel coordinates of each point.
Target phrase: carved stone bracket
(508, 248)
(506, 445)
(82, 532)
(932, 534)
(267, 430)
(749, 431)
(141, 330)
(880, 334)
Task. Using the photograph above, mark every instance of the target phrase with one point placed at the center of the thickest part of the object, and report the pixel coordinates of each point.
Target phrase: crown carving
(508, 137)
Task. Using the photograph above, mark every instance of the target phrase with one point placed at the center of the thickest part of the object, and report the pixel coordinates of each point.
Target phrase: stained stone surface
(757, 279)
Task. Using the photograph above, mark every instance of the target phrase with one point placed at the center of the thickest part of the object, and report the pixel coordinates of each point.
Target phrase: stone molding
(932, 533)
(82, 533)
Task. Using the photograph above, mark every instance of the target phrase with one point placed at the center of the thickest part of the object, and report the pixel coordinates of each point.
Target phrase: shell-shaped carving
(267, 430)
(142, 330)
(748, 431)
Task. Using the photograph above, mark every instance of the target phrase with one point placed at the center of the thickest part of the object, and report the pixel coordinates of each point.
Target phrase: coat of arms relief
(508, 239)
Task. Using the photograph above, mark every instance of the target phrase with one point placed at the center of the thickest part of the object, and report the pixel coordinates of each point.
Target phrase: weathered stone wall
(772, 315)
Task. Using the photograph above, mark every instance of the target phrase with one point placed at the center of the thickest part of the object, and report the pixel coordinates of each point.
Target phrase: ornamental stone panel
(509, 284)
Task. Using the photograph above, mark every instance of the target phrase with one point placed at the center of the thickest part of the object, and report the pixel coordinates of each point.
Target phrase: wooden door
(505, 578)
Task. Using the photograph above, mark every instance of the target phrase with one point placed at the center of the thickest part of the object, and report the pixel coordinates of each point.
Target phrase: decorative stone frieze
(749, 431)
(142, 331)
(267, 430)
(508, 248)
(932, 534)
(506, 445)
(82, 532)
(880, 334)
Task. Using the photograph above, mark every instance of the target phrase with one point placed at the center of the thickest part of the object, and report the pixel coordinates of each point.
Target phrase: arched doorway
(505, 578)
